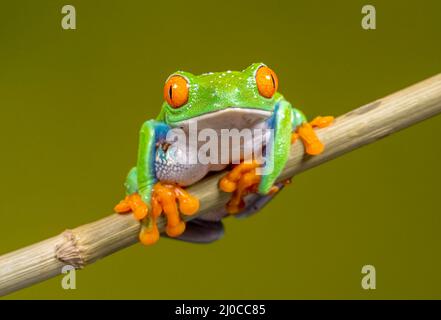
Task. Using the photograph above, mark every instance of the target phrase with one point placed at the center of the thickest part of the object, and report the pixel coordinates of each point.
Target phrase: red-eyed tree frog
(221, 100)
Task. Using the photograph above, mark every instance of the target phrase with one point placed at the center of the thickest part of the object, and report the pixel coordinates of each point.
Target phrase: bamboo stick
(84, 245)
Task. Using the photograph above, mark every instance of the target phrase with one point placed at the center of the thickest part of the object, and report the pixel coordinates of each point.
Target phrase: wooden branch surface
(90, 242)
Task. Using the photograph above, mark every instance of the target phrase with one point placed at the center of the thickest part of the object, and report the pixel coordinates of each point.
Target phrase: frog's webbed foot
(241, 181)
(172, 200)
(168, 199)
(306, 133)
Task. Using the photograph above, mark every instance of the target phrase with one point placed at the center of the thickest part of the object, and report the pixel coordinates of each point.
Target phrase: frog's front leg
(304, 130)
(288, 124)
(147, 198)
(250, 177)
(279, 145)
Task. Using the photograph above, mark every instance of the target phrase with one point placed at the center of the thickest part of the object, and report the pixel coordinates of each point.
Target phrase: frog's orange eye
(267, 81)
(176, 91)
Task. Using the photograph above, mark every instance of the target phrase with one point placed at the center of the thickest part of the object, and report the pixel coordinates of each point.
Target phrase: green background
(72, 102)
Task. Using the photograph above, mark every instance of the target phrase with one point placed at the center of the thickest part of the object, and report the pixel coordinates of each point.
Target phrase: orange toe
(312, 144)
(175, 231)
(123, 206)
(174, 201)
(132, 203)
(322, 122)
(240, 181)
(188, 205)
(315, 148)
(226, 185)
(140, 212)
(148, 237)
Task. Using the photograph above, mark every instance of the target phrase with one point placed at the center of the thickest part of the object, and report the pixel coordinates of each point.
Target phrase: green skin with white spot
(209, 93)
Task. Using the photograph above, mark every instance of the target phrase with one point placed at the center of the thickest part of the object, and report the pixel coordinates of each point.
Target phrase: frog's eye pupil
(176, 91)
(266, 81)
(274, 82)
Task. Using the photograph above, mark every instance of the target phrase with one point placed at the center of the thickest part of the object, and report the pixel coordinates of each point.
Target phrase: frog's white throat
(251, 136)
(230, 118)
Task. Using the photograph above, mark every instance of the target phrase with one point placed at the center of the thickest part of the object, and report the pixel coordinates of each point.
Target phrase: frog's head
(217, 99)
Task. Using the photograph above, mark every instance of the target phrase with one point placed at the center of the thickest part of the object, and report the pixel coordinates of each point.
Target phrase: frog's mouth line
(229, 118)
